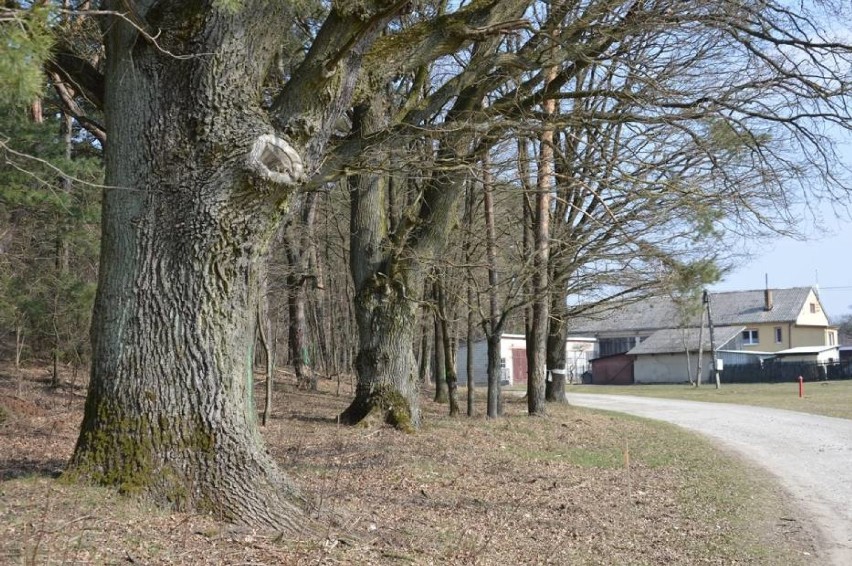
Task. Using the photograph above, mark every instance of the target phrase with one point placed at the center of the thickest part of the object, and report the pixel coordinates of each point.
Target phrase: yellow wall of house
(808, 318)
(766, 337)
(792, 336)
(809, 329)
(810, 336)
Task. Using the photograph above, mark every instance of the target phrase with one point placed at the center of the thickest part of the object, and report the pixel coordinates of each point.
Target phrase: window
(779, 335)
(750, 337)
(502, 362)
(814, 308)
(831, 338)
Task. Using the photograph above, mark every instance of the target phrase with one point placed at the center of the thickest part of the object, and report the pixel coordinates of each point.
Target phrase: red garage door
(519, 365)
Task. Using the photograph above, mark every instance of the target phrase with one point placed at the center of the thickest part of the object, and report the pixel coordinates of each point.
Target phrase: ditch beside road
(811, 455)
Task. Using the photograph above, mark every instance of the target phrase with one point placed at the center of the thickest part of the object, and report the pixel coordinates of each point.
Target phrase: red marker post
(801, 387)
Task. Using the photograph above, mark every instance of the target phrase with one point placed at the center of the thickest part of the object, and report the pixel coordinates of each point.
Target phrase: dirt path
(811, 455)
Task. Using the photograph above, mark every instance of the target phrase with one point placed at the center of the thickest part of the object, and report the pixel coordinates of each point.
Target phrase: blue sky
(825, 259)
(792, 263)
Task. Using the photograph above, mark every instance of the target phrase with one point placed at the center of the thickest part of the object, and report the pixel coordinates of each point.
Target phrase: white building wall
(826, 356)
(808, 318)
(480, 363)
(666, 368)
(578, 353)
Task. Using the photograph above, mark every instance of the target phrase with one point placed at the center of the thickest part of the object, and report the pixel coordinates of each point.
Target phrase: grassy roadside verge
(828, 398)
(577, 487)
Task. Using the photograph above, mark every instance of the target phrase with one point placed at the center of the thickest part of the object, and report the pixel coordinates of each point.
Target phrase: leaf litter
(575, 487)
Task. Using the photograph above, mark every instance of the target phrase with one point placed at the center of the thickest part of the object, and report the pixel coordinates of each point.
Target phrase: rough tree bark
(298, 243)
(389, 268)
(197, 179)
(424, 362)
(540, 281)
(557, 335)
(300, 353)
(389, 259)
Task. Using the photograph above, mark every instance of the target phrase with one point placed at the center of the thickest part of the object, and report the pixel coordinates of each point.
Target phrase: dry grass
(829, 398)
(576, 487)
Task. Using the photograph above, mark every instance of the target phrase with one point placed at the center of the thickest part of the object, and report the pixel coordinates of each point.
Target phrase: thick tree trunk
(495, 399)
(387, 371)
(387, 290)
(170, 411)
(541, 267)
(196, 185)
(556, 362)
(388, 255)
(388, 285)
(300, 353)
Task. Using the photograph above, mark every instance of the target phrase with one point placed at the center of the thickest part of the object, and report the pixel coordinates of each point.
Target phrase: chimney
(767, 295)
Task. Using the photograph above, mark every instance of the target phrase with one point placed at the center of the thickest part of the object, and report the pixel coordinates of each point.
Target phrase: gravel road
(811, 455)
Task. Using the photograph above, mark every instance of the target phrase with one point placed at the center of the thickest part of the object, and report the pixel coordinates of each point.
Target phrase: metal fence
(777, 372)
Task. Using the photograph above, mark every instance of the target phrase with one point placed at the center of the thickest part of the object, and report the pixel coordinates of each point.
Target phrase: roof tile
(728, 308)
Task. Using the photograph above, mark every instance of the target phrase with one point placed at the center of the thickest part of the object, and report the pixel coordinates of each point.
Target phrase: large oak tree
(206, 145)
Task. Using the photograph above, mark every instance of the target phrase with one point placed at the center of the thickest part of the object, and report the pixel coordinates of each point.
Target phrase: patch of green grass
(609, 457)
(828, 398)
(729, 510)
(729, 496)
(603, 457)
(736, 502)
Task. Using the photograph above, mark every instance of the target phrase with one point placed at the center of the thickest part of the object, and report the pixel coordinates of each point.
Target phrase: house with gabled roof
(750, 325)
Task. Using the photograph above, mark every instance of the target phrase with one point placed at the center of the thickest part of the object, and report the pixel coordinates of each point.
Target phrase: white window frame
(751, 337)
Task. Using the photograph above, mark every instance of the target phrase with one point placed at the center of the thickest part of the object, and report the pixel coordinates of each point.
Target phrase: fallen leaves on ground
(576, 487)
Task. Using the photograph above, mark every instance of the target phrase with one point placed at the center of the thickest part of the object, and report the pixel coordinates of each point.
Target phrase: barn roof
(676, 340)
(729, 308)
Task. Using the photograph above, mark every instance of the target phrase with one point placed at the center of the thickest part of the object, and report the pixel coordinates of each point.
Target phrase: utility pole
(706, 301)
